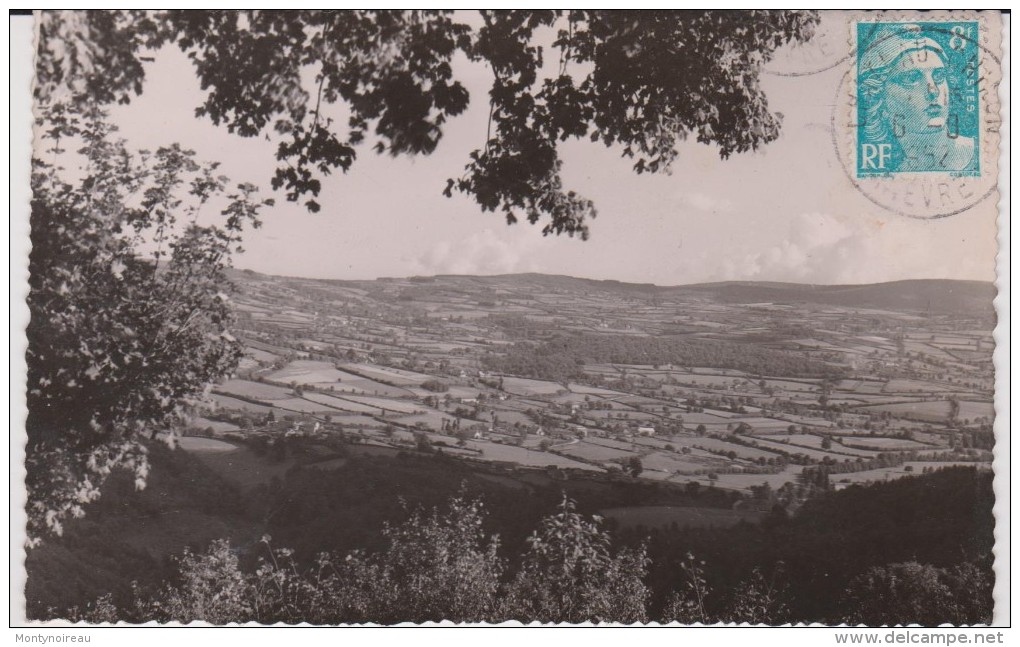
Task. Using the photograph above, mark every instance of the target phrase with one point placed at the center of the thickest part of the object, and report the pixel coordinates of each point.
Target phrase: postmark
(916, 116)
(827, 48)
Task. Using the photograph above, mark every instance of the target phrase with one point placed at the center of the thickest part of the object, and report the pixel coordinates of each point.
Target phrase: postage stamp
(916, 118)
(918, 105)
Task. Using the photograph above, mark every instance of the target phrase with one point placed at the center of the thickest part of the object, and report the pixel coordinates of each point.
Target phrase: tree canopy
(128, 303)
(324, 84)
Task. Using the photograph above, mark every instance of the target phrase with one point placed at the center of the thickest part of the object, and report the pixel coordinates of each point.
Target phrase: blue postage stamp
(917, 98)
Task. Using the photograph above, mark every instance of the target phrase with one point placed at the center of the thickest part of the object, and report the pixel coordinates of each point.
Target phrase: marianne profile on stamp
(912, 94)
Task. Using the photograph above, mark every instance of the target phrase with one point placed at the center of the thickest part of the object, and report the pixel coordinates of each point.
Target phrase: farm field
(389, 404)
(392, 376)
(747, 481)
(669, 462)
(300, 405)
(673, 360)
(594, 452)
(201, 445)
(227, 402)
(246, 364)
(750, 453)
(592, 390)
(306, 372)
(527, 387)
(342, 404)
(217, 426)
(886, 444)
(973, 410)
(260, 355)
(349, 382)
(527, 457)
(257, 390)
(888, 473)
(243, 467)
(765, 425)
(793, 449)
(912, 386)
(934, 410)
(431, 419)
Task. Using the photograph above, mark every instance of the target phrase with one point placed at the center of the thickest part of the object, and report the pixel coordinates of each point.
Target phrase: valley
(731, 385)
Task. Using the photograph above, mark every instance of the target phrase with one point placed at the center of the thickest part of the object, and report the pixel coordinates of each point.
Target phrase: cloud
(485, 252)
(818, 248)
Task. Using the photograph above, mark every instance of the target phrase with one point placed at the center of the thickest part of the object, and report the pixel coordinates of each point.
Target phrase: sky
(784, 213)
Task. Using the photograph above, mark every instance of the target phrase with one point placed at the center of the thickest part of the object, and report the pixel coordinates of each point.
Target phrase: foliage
(437, 566)
(128, 303)
(435, 386)
(434, 567)
(564, 357)
(910, 592)
(721, 585)
(757, 600)
(212, 589)
(440, 566)
(633, 466)
(687, 605)
(760, 599)
(569, 574)
(943, 519)
(125, 534)
(641, 81)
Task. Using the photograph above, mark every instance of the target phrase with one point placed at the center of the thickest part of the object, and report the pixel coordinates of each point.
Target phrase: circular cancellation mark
(915, 121)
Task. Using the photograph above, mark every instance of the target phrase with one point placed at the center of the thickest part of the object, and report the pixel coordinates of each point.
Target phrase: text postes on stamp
(916, 118)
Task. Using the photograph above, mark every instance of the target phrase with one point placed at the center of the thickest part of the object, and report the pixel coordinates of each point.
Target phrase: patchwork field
(205, 445)
(339, 403)
(594, 452)
(227, 402)
(524, 456)
(307, 372)
(704, 360)
(257, 390)
(526, 387)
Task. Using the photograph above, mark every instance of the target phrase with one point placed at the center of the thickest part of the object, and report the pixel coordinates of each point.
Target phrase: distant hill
(939, 296)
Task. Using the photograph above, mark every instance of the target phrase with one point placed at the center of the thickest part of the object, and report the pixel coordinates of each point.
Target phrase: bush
(435, 386)
(570, 575)
(434, 566)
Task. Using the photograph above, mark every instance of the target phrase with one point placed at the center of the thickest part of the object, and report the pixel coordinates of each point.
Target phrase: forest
(563, 358)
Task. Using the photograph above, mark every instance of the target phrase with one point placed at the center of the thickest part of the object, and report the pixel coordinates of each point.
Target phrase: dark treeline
(564, 357)
(943, 519)
(129, 534)
(934, 530)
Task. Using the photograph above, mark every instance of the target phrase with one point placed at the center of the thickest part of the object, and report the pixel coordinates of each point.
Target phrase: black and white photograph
(507, 317)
